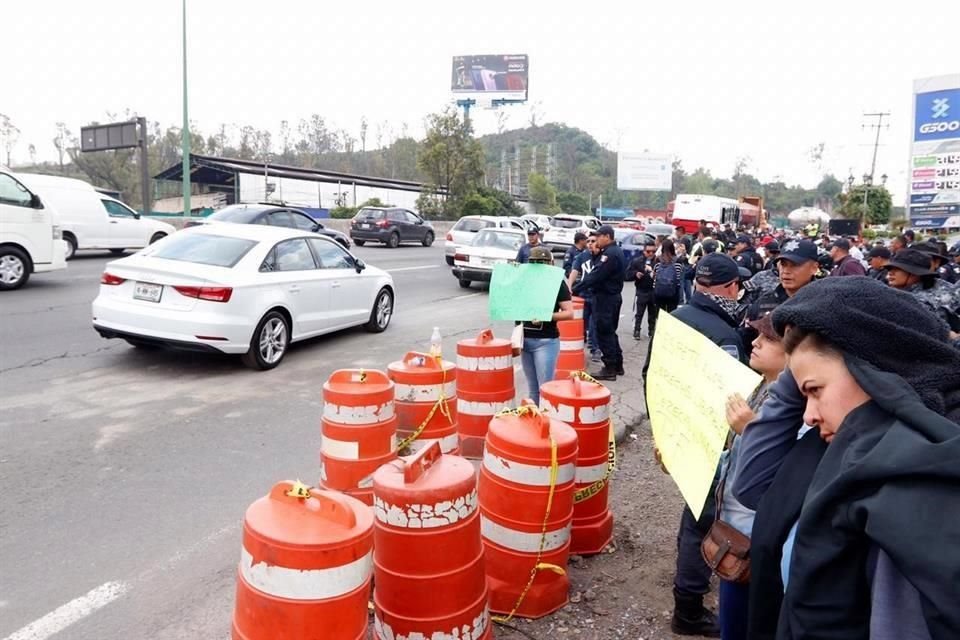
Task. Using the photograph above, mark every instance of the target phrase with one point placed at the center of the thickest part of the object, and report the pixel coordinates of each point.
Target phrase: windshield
(498, 240)
(239, 214)
(371, 214)
(471, 225)
(217, 251)
(567, 223)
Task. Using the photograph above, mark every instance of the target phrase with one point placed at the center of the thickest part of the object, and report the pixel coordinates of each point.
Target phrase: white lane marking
(464, 297)
(74, 611)
(424, 266)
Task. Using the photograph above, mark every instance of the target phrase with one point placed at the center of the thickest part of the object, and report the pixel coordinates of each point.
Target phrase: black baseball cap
(710, 246)
(798, 251)
(715, 269)
(772, 247)
(606, 230)
(745, 239)
(533, 231)
(880, 252)
(841, 243)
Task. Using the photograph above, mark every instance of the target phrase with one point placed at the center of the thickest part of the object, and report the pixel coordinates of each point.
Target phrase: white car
(463, 232)
(240, 289)
(543, 222)
(91, 220)
(559, 237)
(475, 263)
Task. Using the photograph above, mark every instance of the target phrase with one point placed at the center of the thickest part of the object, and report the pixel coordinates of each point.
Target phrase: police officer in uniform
(579, 244)
(940, 262)
(606, 282)
(746, 256)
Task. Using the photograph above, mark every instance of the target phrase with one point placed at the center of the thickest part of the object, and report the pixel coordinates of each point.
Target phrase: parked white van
(91, 220)
(30, 240)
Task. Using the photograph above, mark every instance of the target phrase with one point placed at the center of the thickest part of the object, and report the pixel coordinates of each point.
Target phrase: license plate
(487, 261)
(147, 291)
(366, 226)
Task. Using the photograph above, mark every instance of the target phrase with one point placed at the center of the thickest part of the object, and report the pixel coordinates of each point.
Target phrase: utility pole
(880, 115)
(868, 179)
(185, 133)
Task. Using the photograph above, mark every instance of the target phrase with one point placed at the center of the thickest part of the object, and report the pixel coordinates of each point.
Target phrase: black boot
(691, 618)
(636, 334)
(606, 373)
(620, 371)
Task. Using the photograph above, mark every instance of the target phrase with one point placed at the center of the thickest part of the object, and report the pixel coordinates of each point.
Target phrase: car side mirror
(136, 215)
(35, 202)
(359, 264)
(316, 227)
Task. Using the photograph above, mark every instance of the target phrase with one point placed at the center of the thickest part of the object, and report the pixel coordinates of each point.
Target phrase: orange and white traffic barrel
(578, 304)
(428, 556)
(358, 430)
(526, 509)
(426, 402)
(585, 406)
(485, 386)
(571, 356)
(305, 566)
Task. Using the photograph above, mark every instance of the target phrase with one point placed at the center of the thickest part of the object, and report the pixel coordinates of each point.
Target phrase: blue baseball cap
(798, 251)
(716, 268)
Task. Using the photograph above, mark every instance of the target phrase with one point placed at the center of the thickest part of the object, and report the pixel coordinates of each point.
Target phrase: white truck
(30, 240)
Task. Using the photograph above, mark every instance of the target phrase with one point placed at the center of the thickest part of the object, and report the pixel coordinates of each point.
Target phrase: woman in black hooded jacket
(875, 553)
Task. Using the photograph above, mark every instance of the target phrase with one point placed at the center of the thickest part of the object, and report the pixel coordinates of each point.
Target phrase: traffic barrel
(584, 404)
(428, 556)
(426, 402)
(526, 509)
(305, 566)
(358, 430)
(571, 356)
(578, 304)
(485, 386)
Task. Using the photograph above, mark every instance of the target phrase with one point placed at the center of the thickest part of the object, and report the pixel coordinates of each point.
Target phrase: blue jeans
(734, 599)
(590, 325)
(539, 359)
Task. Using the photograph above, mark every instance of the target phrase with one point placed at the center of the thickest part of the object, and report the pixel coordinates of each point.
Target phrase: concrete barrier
(440, 227)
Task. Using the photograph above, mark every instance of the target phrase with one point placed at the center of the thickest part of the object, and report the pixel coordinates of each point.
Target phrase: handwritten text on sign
(688, 383)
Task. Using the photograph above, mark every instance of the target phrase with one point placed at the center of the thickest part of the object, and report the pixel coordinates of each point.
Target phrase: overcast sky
(709, 84)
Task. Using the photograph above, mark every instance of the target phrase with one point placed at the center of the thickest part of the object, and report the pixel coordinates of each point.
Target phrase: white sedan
(474, 263)
(240, 289)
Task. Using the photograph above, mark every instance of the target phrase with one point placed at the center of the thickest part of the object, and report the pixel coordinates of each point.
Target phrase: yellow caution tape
(538, 565)
(440, 404)
(588, 492)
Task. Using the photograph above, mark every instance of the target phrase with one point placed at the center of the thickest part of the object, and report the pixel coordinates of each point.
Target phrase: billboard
(934, 171)
(101, 137)
(644, 171)
(496, 74)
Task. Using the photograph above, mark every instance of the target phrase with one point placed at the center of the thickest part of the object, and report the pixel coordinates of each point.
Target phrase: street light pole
(185, 133)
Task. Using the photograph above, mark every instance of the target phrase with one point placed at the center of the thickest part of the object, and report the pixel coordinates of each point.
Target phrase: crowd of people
(835, 511)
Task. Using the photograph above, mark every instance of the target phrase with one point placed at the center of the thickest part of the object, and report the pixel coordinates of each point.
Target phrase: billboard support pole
(465, 105)
(144, 169)
(185, 133)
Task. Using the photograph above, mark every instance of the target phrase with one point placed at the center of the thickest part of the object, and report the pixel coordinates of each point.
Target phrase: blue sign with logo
(937, 115)
(922, 198)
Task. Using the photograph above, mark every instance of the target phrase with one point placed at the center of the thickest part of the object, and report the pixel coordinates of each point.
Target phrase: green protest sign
(524, 291)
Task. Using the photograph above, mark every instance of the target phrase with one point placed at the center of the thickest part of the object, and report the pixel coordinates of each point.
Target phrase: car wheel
(464, 284)
(394, 240)
(449, 260)
(381, 313)
(428, 239)
(14, 268)
(269, 342)
(117, 252)
(359, 243)
(157, 236)
(71, 245)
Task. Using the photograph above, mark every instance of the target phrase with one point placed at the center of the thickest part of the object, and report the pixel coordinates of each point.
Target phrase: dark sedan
(274, 216)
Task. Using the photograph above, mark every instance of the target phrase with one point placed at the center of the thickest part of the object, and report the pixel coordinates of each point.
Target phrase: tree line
(554, 166)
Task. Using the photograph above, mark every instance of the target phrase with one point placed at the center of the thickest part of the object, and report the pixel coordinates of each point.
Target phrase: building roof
(222, 171)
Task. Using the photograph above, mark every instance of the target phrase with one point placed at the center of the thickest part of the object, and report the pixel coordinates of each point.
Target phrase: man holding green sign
(535, 295)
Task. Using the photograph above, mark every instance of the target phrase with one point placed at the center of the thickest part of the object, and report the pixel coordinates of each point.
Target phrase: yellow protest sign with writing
(688, 383)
